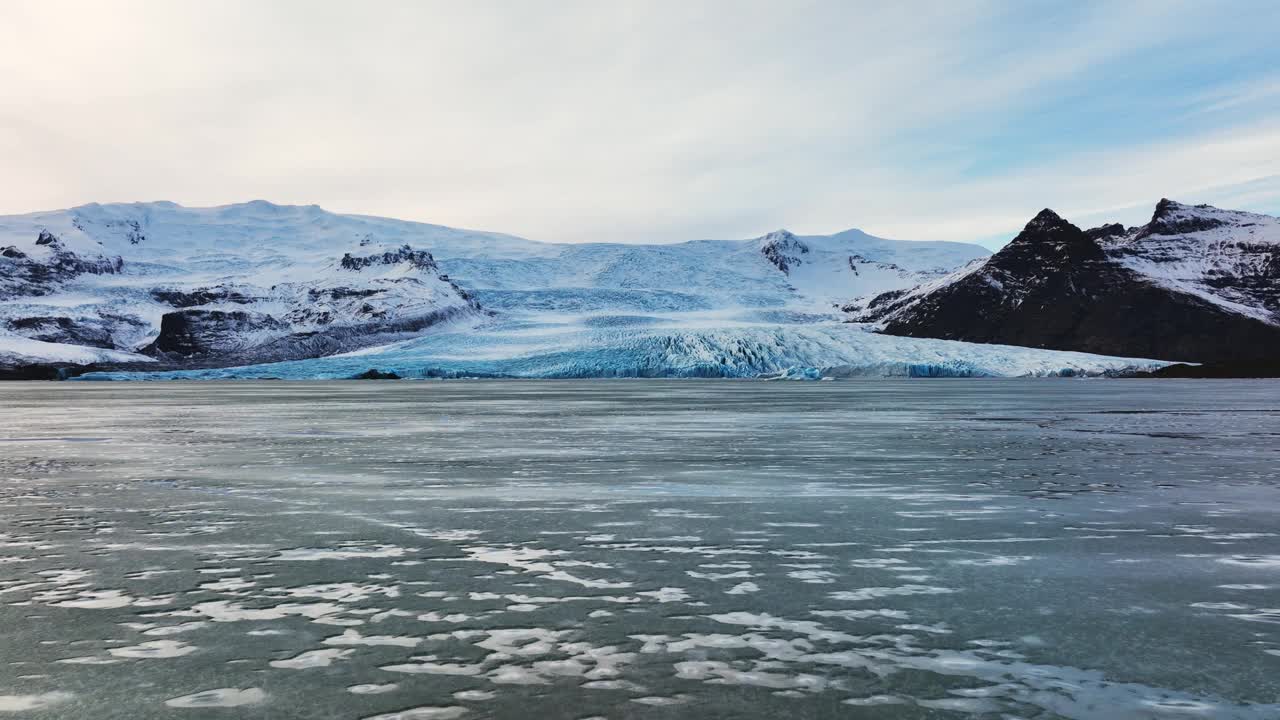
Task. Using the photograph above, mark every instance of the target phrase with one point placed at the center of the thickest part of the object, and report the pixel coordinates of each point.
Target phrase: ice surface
(154, 649)
(25, 703)
(219, 698)
(312, 659)
(912, 549)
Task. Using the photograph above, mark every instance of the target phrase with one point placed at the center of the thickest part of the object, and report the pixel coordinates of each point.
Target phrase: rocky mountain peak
(1167, 290)
(783, 249)
(1048, 239)
(1167, 207)
(1044, 219)
(1175, 218)
(1103, 232)
(419, 259)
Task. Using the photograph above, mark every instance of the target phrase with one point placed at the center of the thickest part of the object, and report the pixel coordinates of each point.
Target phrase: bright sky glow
(648, 121)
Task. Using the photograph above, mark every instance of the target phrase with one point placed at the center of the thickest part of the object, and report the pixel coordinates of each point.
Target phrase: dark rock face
(61, 329)
(1105, 231)
(375, 374)
(1054, 286)
(1168, 220)
(320, 321)
(1260, 369)
(22, 274)
(420, 259)
(189, 333)
(856, 261)
(50, 371)
(135, 234)
(1261, 284)
(879, 306)
(207, 338)
(199, 296)
(1231, 255)
(31, 372)
(341, 293)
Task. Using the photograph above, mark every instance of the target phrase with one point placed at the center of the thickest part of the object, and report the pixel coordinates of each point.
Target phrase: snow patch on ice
(220, 698)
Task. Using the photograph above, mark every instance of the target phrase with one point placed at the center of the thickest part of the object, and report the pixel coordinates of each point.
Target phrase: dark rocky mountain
(1195, 284)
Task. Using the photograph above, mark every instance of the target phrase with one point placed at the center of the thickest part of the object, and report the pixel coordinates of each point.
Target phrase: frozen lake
(641, 549)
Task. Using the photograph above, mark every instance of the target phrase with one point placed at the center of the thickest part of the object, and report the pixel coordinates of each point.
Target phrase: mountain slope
(1227, 257)
(1194, 284)
(258, 282)
(241, 283)
(821, 272)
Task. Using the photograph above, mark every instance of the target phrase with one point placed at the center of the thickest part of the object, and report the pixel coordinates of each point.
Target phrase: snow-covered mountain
(819, 272)
(1196, 283)
(1226, 257)
(241, 283)
(259, 289)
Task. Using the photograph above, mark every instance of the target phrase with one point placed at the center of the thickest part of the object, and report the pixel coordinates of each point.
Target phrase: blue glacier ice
(680, 345)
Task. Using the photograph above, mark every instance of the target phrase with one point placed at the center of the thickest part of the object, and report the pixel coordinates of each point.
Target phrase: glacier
(689, 345)
(264, 290)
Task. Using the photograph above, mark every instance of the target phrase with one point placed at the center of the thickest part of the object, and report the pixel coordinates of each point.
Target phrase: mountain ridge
(258, 282)
(1196, 283)
(265, 289)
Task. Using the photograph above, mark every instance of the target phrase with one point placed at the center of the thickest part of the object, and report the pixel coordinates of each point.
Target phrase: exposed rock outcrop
(1194, 284)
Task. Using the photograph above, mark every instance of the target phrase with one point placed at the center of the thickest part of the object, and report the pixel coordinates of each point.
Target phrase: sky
(648, 121)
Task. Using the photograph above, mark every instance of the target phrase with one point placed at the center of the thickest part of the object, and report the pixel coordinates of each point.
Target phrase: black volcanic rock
(340, 293)
(63, 329)
(200, 296)
(1104, 232)
(1054, 286)
(1230, 256)
(38, 371)
(188, 333)
(1169, 219)
(1255, 369)
(375, 374)
(420, 259)
(22, 274)
(211, 338)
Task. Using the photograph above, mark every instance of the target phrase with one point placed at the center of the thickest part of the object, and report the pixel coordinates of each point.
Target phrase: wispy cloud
(653, 121)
